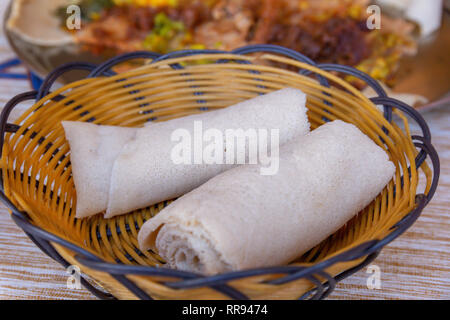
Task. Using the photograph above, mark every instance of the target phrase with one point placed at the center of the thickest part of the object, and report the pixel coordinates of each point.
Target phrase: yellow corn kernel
(147, 3)
(354, 11)
(94, 16)
(198, 46)
(303, 5)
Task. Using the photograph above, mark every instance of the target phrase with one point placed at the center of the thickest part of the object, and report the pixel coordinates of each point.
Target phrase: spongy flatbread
(144, 174)
(122, 169)
(93, 149)
(241, 219)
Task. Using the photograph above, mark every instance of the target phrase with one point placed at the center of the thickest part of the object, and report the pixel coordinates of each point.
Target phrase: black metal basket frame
(315, 273)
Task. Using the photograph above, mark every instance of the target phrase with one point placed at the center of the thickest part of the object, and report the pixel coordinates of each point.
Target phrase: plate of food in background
(408, 54)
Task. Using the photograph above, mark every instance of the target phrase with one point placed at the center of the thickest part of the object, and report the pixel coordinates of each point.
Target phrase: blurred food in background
(327, 31)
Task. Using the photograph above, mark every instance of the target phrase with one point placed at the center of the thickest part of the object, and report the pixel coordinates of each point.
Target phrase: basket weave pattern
(38, 187)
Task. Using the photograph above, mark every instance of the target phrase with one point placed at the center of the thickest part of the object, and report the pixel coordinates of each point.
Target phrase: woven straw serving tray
(37, 186)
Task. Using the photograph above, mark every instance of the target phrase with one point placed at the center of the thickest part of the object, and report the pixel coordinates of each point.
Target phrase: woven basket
(38, 188)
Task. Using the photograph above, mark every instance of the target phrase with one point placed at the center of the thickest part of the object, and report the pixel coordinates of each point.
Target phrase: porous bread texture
(241, 219)
(93, 149)
(143, 173)
(120, 169)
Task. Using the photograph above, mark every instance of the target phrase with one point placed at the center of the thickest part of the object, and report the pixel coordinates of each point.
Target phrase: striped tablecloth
(415, 266)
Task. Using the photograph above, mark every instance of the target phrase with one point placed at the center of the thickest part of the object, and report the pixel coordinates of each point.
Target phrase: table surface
(414, 266)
